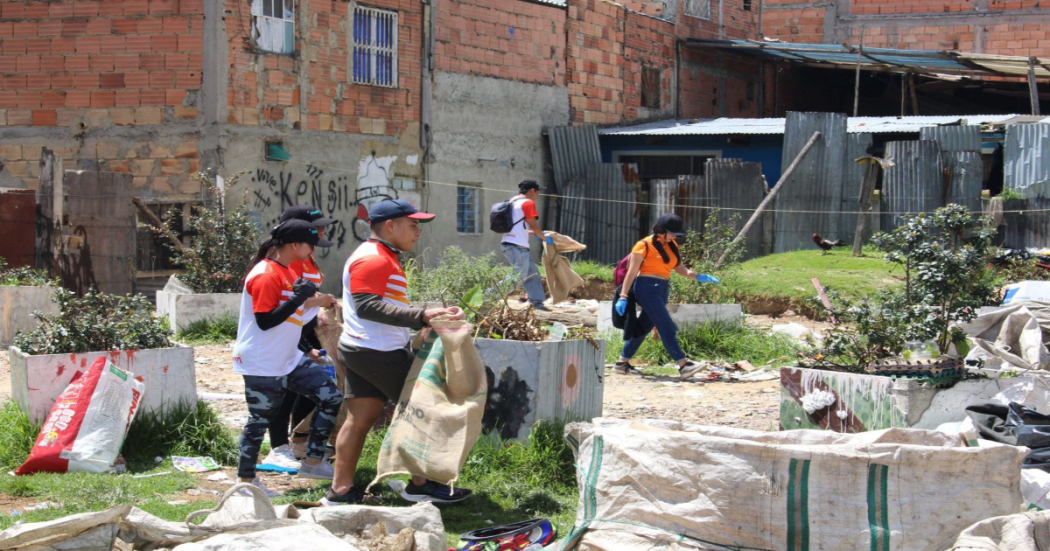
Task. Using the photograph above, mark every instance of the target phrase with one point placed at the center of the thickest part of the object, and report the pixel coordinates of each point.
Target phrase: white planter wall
(184, 309)
(17, 305)
(682, 314)
(168, 373)
(533, 381)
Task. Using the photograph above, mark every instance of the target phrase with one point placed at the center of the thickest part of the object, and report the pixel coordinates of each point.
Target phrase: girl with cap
(648, 282)
(266, 354)
(286, 453)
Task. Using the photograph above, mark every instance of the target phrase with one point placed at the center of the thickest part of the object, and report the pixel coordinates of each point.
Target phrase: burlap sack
(667, 485)
(438, 417)
(561, 279)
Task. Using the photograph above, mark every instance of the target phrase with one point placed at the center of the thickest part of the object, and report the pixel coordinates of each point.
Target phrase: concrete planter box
(534, 381)
(870, 402)
(17, 305)
(184, 309)
(682, 314)
(169, 375)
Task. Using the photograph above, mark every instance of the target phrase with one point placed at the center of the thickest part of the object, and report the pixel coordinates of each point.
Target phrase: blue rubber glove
(548, 239)
(704, 278)
(621, 306)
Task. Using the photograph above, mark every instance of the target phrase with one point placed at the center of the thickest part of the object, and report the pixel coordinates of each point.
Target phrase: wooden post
(157, 223)
(1033, 88)
(856, 79)
(867, 189)
(769, 197)
(914, 98)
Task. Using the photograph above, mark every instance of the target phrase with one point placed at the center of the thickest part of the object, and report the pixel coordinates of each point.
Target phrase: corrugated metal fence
(915, 182)
(1026, 155)
(608, 227)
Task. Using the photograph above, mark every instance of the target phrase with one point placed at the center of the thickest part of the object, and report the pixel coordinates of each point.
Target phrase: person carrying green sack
(648, 278)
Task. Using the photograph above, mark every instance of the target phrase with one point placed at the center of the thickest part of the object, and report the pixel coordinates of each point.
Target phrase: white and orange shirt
(524, 210)
(274, 352)
(308, 270)
(374, 269)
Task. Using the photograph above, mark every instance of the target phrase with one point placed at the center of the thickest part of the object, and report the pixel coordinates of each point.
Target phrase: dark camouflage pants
(264, 396)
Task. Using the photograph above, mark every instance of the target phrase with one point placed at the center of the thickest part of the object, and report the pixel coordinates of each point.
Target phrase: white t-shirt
(376, 270)
(524, 209)
(274, 352)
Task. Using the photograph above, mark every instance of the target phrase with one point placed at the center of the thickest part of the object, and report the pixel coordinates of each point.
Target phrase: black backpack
(501, 219)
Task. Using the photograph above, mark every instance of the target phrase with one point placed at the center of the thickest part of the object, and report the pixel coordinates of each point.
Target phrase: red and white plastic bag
(88, 423)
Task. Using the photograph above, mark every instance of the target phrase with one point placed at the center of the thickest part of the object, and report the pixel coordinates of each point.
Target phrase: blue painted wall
(765, 149)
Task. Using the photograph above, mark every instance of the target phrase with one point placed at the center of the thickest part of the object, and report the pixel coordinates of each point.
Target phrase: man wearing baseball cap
(515, 244)
(375, 344)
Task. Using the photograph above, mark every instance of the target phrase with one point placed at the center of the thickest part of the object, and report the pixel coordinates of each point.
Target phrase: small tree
(222, 240)
(700, 252)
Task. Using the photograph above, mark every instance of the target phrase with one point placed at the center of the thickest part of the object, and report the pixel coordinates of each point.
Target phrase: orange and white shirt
(308, 270)
(274, 352)
(376, 270)
(523, 211)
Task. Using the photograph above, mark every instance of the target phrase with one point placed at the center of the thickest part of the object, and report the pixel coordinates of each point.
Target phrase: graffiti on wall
(339, 196)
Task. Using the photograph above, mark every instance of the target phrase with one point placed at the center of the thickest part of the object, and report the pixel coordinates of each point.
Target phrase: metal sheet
(1026, 223)
(1026, 155)
(916, 181)
(854, 125)
(816, 184)
(573, 149)
(18, 216)
(610, 226)
(738, 188)
(852, 179)
(953, 138)
(966, 169)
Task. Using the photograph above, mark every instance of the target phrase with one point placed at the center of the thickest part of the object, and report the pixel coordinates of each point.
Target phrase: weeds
(456, 274)
(23, 276)
(715, 340)
(17, 438)
(95, 322)
(186, 429)
(589, 269)
(209, 331)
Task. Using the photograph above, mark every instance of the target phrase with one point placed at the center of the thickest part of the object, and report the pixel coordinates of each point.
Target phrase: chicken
(826, 245)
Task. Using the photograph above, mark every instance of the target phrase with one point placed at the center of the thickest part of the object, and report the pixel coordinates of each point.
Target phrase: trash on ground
(519, 535)
(218, 477)
(1014, 425)
(151, 475)
(762, 374)
(557, 331)
(271, 468)
(87, 423)
(794, 330)
(194, 464)
(638, 470)
(817, 400)
(1035, 487)
(744, 366)
(1026, 290)
(214, 396)
(1009, 338)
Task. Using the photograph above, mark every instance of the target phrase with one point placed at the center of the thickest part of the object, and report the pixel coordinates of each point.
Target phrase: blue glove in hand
(549, 239)
(621, 306)
(704, 278)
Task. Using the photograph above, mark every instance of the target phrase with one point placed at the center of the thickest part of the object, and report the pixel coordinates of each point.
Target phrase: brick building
(340, 104)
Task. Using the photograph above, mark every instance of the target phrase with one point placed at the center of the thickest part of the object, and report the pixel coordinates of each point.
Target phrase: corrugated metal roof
(559, 3)
(1025, 155)
(730, 126)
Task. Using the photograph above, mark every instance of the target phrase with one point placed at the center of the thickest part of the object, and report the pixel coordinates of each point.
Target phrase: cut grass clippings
(220, 330)
(716, 340)
(511, 481)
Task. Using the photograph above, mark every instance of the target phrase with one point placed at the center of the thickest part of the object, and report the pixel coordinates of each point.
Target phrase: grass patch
(787, 277)
(589, 269)
(17, 437)
(716, 340)
(220, 330)
(187, 429)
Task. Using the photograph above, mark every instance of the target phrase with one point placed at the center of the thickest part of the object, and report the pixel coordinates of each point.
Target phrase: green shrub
(23, 276)
(456, 274)
(185, 429)
(700, 252)
(222, 240)
(94, 322)
(714, 340)
(589, 269)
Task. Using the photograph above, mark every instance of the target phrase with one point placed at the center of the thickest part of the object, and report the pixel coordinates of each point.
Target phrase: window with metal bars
(698, 8)
(467, 210)
(651, 88)
(374, 58)
(273, 25)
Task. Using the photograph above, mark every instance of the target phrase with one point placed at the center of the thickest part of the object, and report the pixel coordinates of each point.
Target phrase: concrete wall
(483, 139)
(17, 305)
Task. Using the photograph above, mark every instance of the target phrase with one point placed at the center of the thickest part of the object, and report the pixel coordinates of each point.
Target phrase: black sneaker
(434, 492)
(353, 496)
(624, 368)
(540, 307)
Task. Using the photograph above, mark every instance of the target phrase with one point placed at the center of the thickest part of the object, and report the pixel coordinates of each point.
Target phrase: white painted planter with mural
(534, 381)
(168, 373)
(183, 309)
(17, 305)
(872, 402)
(682, 314)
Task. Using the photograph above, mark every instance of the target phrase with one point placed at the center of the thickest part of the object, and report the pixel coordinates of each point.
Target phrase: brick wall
(649, 43)
(716, 84)
(508, 39)
(783, 19)
(83, 67)
(312, 90)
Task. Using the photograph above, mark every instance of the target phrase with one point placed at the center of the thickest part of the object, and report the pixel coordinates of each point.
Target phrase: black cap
(526, 185)
(390, 209)
(672, 223)
(298, 231)
(308, 213)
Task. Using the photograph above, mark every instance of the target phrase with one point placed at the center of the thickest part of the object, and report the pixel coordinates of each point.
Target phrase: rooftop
(857, 125)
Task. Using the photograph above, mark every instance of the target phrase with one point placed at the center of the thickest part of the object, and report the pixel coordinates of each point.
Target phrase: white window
(273, 25)
(698, 8)
(374, 59)
(467, 219)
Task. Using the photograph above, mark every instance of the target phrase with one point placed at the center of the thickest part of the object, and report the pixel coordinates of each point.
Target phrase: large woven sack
(664, 484)
(561, 279)
(438, 416)
(1028, 531)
